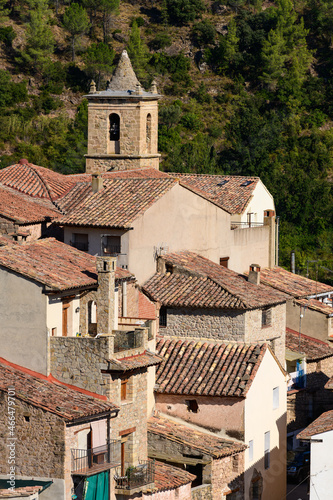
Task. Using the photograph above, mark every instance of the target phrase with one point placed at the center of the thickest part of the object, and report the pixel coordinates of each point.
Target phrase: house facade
(220, 387)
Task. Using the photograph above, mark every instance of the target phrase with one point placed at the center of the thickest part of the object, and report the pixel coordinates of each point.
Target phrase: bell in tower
(122, 123)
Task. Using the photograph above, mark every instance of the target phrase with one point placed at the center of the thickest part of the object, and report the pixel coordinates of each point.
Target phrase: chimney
(254, 274)
(106, 295)
(96, 182)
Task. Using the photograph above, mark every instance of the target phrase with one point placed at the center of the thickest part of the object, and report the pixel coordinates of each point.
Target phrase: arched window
(92, 318)
(114, 127)
(148, 132)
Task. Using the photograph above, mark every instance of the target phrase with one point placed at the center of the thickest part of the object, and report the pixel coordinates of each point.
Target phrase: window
(114, 127)
(148, 132)
(246, 183)
(251, 450)
(223, 183)
(255, 491)
(111, 245)
(267, 449)
(54, 331)
(266, 317)
(123, 390)
(80, 241)
(163, 317)
(235, 462)
(224, 262)
(275, 398)
(192, 405)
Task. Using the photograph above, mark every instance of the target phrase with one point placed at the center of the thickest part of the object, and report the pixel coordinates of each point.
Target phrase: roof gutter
(91, 418)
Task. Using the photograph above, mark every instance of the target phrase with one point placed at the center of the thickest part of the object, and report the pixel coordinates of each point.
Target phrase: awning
(293, 356)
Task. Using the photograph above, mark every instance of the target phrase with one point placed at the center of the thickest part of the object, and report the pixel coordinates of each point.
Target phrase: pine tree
(76, 21)
(99, 58)
(137, 51)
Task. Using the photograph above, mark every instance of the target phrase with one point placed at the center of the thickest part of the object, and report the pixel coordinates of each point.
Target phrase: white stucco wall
(261, 200)
(321, 467)
(260, 417)
(54, 316)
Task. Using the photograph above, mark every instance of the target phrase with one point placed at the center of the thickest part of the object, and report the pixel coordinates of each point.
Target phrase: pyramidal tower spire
(122, 123)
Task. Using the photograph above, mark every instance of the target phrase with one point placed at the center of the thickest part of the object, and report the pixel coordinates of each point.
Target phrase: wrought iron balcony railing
(135, 477)
(94, 459)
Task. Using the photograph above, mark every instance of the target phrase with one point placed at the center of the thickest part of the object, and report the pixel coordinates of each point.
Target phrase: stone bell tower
(122, 123)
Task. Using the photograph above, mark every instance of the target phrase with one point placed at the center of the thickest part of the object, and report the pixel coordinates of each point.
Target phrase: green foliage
(160, 41)
(76, 22)
(180, 12)
(138, 20)
(204, 33)
(99, 59)
(169, 116)
(201, 94)
(40, 41)
(107, 7)
(10, 92)
(54, 77)
(137, 51)
(191, 121)
(7, 35)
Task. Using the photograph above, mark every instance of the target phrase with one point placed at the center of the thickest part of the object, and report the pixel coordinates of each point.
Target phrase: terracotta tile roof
(232, 196)
(69, 403)
(146, 308)
(324, 423)
(137, 173)
(196, 281)
(54, 264)
(293, 284)
(23, 209)
(314, 349)
(6, 240)
(35, 181)
(315, 305)
(128, 363)
(205, 442)
(23, 492)
(118, 204)
(201, 368)
(74, 197)
(168, 477)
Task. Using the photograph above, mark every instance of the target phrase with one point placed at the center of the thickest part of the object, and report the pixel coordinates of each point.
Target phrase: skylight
(246, 183)
(222, 183)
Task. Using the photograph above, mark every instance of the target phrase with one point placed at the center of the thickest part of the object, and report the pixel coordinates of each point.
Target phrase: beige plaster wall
(314, 323)
(260, 417)
(261, 200)
(215, 413)
(23, 322)
(249, 246)
(54, 316)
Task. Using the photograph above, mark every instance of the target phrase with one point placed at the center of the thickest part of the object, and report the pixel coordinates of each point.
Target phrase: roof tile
(324, 423)
(292, 284)
(313, 348)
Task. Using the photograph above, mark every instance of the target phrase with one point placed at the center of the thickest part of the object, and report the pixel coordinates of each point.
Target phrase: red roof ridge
(52, 379)
(290, 330)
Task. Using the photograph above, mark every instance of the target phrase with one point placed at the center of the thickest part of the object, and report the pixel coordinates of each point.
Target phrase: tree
(107, 8)
(183, 11)
(98, 59)
(40, 40)
(76, 21)
(137, 51)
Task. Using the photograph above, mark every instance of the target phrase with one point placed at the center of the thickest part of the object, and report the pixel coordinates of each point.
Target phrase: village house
(199, 298)
(310, 366)
(319, 434)
(309, 310)
(217, 463)
(220, 387)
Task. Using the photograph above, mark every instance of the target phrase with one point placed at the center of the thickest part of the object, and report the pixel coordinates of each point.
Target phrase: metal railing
(94, 458)
(84, 247)
(128, 340)
(135, 477)
(111, 249)
(245, 225)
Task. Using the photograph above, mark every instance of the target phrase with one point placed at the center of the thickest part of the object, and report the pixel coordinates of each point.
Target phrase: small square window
(266, 317)
(192, 405)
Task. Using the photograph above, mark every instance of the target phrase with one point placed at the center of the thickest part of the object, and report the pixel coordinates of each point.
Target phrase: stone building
(200, 299)
(122, 123)
(218, 463)
(221, 387)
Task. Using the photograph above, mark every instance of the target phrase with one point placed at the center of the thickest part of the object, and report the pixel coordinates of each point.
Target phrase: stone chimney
(96, 182)
(254, 274)
(106, 296)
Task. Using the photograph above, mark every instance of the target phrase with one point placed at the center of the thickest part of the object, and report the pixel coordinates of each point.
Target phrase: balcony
(246, 225)
(111, 249)
(124, 341)
(88, 462)
(79, 245)
(297, 380)
(135, 477)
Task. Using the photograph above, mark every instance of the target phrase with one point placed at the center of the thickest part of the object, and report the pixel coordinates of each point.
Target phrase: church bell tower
(122, 123)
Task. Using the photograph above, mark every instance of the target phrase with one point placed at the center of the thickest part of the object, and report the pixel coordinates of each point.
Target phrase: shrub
(203, 33)
(191, 121)
(160, 41)
(181, 12)
(7, 35)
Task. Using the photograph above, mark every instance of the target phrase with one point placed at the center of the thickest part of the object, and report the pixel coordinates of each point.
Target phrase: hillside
(247, 86)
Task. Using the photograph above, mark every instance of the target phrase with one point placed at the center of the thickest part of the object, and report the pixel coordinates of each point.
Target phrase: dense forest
(248, 91)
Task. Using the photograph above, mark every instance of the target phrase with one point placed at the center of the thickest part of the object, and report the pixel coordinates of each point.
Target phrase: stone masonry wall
(203, 492)
(79, 361)
(40, 443)
(318, 373)
(205, 323)
(227, 475)
(255, 332)
(101, 165)
(131, 415)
